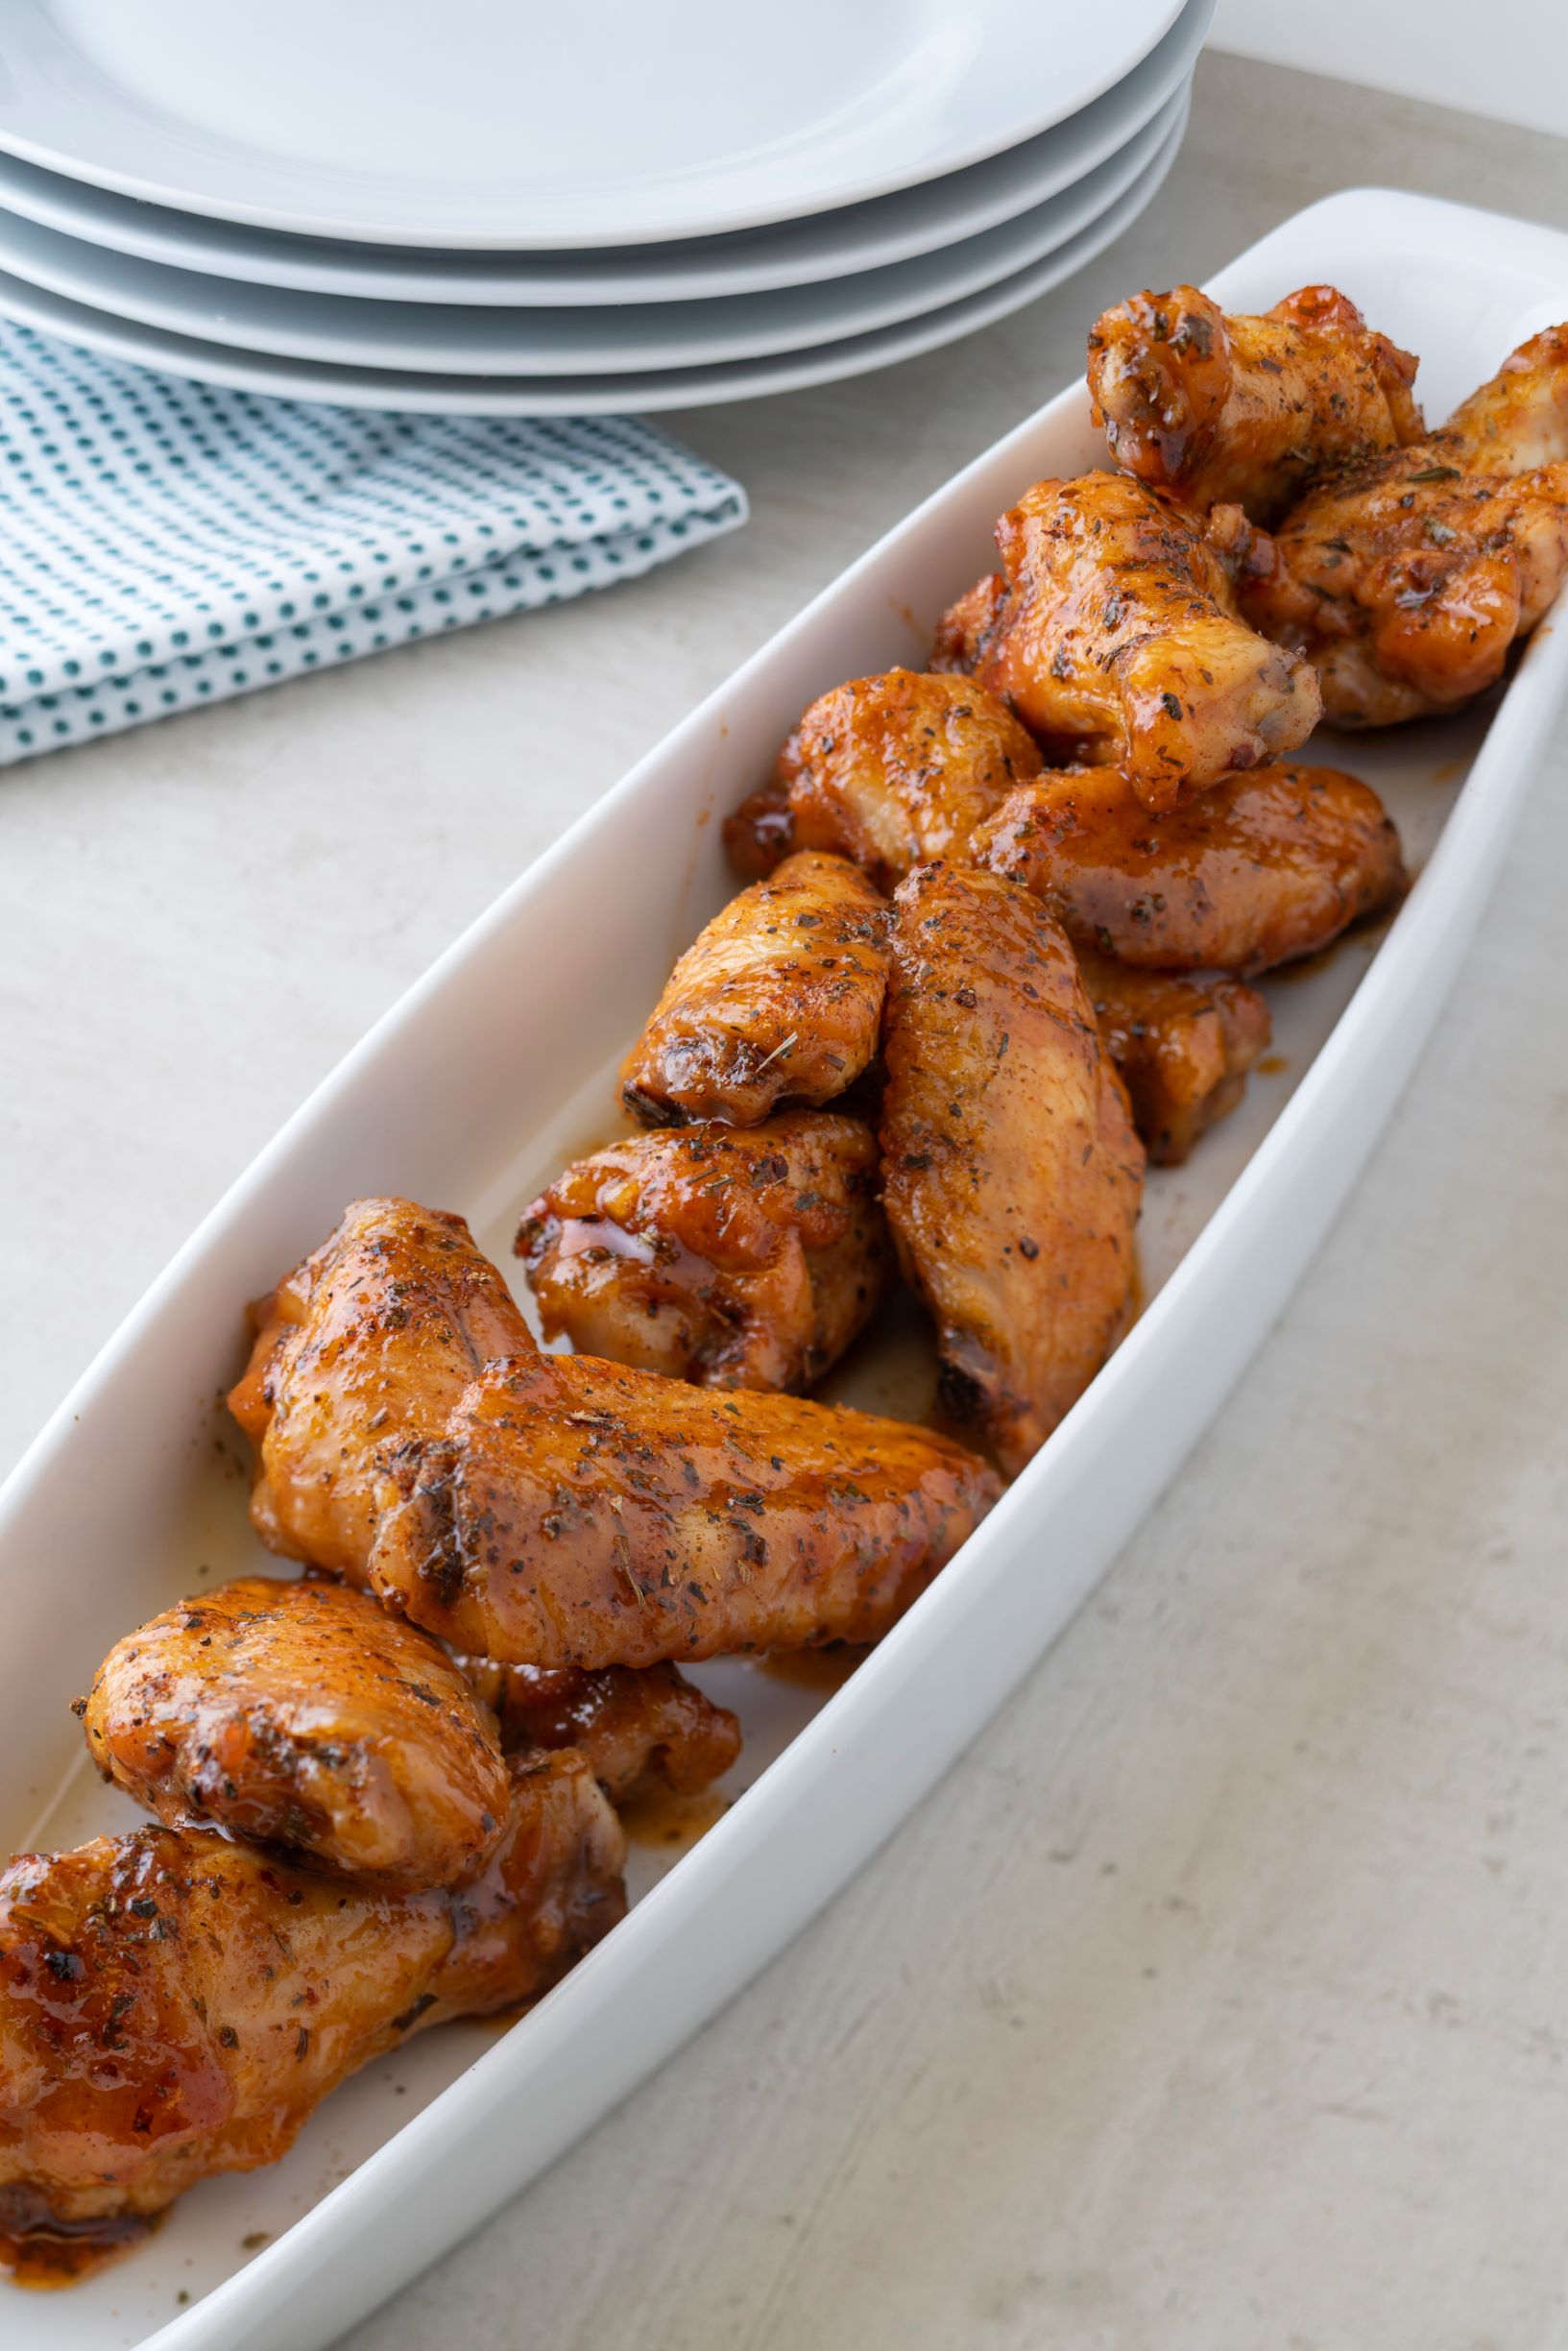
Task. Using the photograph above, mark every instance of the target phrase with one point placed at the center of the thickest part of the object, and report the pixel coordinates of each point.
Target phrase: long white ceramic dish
(640, 392)
(470, 1091)
(619, 338)
(531, 127)
(825, 245)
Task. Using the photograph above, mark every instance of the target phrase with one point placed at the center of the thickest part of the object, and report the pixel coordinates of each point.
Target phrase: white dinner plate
(487, 124)
(640, 394)
(621, 338)
(131, 1498)
(806, 252)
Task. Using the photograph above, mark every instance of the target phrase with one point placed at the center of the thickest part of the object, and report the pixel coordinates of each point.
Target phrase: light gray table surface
(1219, 2000)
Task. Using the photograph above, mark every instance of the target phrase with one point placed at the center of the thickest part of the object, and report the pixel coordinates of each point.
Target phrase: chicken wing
(305, 1716)
(1117, 639)
(635, 1729)
(1183, 1046)
(734, 1257)
(1408, 578)
(1262, 868)
(173, 2004)
(892, 770)
(580, 1514)
(1245, 410)
(777, 1001)
(368, 1343)
(1012, 1174)
(966, 629)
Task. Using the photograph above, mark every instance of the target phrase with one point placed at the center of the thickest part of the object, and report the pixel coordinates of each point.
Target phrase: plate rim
(648, 229)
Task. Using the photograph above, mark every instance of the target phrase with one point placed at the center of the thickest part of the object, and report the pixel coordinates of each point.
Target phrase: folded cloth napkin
(164, 543)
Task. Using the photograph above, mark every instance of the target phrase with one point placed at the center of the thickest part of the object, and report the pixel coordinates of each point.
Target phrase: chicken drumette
(1245, 410)
(174, 2003)
(1406, 579)
(1183, 1046)
(305, 1716)
(577, 1513)
(1013, 1174)
(365, 1344)
(1261, 869)
(777, 1001)
(637, 1729)
(1115, 638)
(734, 1257)
(889, 772)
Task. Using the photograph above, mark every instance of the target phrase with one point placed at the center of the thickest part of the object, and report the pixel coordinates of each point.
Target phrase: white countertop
(1216, 2003)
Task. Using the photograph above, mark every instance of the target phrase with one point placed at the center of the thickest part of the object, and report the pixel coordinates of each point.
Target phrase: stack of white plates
(493, 207)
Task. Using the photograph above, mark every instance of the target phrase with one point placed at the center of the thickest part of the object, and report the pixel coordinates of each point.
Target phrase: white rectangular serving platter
(470, 1092)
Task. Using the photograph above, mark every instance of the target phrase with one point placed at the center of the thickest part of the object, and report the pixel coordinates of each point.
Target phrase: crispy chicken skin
(1183, 1046)
(577, 1513)
(777, 1001)
(896, 769)
(1262, 868)
(733, 1256)
(368, 1343)
(1245, 410)
(1013, 1176)
(303, 1716)
(1118, 642)
(637, 1729)
(173, 2004)
(1407, 579)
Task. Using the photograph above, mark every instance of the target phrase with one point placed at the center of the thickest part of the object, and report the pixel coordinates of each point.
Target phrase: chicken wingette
(733, 1256)
(636, 1729)
(1264, 868)
(1013, 1176)
(174, 2003)
(578, 1512)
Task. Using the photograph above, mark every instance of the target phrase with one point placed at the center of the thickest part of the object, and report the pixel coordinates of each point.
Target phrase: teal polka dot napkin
(164, 544)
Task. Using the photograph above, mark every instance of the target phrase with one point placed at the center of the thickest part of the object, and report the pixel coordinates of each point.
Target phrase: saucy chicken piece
(778, 1001)
(892, 770)
(1262, 868)
(173, 2004)
(733, 1256)
(1408, 578)
(761, 833)
(305, 1716)
(635, 1729)
(367, 1344)
(965, 630)
(1245, 410)
(1183, 1046)
(578, 1512)
(1012, 1172)
(1118, 641)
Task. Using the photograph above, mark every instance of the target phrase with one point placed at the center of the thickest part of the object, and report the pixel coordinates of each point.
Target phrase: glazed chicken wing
(734, 1257)
(777, 1001)
(1117, 639)
(173, 2004)
(635, 1729)
(305, 1716)
(577, 1513)
(1407, 579)
(367, 1344)
(1262, 868)
(891, 770)
(1183, 1046)
(1013, 1176)
(1245, 410)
